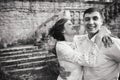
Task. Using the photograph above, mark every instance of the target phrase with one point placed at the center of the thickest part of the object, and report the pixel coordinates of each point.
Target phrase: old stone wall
(20, 19)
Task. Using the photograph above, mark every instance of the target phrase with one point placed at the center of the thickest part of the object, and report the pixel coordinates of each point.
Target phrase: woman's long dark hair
(57, 30)
(57, 33)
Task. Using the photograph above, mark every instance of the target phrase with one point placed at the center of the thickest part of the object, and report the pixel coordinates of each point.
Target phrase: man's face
(93, 22)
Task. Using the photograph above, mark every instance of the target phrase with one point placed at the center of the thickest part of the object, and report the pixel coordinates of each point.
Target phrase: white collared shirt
(107, 61)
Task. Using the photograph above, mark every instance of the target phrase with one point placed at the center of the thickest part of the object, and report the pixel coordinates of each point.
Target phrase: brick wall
(115, 27)
(21, 21)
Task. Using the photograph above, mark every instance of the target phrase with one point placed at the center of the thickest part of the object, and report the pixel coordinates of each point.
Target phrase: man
(108, 58)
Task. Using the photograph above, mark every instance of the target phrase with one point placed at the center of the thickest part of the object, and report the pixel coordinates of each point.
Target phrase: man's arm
(114, 51)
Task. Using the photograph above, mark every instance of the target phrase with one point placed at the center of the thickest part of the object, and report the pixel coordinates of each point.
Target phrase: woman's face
(69, 28)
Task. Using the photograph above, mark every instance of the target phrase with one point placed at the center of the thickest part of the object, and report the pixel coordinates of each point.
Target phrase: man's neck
(91, 35)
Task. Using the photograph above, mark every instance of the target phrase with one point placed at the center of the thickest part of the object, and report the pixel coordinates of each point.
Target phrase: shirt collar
(93, 38)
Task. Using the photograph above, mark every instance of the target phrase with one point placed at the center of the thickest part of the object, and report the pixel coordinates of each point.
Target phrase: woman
(70, 58)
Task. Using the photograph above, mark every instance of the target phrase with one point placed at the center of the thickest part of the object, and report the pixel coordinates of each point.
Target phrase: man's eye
(95, 18)
(87, 19)
(69, 24)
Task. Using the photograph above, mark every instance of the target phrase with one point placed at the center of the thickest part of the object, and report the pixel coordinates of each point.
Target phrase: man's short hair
(91, 10)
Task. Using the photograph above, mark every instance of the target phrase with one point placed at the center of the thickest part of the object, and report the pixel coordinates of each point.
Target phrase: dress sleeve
(68, 54)
(88, 49)
(114, 51)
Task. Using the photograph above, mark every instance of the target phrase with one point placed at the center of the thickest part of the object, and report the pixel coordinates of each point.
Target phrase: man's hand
(107, 41)
(104, 33)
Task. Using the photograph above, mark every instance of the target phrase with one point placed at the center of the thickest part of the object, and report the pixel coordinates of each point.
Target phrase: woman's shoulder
(64, 43)
(80, 37)
(61, 42)
(63, 46)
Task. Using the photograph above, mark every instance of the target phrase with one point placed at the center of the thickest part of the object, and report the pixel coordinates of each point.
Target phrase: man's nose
(91, 21)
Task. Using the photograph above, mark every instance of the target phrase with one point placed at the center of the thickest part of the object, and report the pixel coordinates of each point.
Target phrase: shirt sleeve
(67, 53)
(114, 51)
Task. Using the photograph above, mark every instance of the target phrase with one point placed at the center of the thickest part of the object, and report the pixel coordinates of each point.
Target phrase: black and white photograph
(59, 39)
